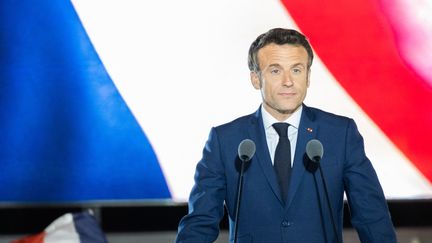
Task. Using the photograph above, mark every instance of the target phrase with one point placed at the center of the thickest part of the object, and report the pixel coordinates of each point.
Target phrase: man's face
(283, 79)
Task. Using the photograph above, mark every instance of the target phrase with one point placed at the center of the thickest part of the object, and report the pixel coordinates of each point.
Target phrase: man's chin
(287, 110)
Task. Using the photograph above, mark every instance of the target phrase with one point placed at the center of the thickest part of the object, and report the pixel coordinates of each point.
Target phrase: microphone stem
(239, 192)
(329, 205)
(320, 208)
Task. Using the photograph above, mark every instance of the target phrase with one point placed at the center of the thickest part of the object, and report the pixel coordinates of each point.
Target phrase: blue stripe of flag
(66, 133)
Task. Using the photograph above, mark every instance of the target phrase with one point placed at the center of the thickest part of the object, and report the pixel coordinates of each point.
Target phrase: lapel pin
(309, 129)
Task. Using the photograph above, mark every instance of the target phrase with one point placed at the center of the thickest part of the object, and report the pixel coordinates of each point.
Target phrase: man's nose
(287, 80)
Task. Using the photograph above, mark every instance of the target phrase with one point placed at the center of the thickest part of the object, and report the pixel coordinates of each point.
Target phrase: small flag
(69, 228)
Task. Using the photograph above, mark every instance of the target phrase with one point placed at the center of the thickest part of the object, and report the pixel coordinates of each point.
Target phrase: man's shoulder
(239, 121)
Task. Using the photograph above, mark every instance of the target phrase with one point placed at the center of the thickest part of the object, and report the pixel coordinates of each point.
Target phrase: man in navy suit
(292, 207)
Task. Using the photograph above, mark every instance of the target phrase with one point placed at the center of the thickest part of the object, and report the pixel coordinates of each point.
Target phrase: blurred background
(106, 105)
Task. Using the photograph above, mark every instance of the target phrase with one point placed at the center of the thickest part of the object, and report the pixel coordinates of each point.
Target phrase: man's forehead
(283, 47)
(274, 54)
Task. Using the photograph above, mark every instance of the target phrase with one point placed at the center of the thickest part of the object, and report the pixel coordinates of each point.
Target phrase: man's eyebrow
(299, 64)
(274, 65)
(277, 65)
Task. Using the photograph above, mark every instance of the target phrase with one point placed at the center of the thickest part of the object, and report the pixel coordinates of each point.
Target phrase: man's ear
(255, 80)
(308, 78)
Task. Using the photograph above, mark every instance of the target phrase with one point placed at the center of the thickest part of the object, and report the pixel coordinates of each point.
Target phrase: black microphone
(314, 152)
(246, 151)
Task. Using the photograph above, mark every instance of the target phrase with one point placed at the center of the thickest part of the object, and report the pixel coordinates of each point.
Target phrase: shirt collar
(293, 120)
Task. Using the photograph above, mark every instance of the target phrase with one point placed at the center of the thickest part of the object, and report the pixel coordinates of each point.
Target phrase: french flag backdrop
(113, 100)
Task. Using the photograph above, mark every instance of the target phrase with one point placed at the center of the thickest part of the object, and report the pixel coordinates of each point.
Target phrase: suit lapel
(307, 131)
(257, 133)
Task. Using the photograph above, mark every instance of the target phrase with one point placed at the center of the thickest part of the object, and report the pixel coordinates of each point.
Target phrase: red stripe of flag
(357, 45)
(38, 238)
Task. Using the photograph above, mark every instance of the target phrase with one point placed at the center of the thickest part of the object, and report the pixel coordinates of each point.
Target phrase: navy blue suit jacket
(263, 215)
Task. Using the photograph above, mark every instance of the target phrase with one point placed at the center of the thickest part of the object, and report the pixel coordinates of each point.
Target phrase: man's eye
(297, 70)
(275, 71)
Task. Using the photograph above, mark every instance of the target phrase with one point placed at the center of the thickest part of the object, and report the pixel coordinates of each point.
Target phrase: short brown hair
(277, 36)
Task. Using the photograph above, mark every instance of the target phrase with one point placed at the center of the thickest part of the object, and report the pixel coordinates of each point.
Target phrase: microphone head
(314, 150)
(246, 150)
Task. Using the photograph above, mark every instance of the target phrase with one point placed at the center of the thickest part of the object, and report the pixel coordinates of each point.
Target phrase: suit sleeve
(368, 207)
(201, 224)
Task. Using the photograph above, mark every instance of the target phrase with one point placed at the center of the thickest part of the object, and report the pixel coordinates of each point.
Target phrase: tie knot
(281, 128)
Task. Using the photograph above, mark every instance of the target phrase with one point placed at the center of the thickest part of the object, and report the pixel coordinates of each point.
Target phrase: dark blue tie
(282, 158)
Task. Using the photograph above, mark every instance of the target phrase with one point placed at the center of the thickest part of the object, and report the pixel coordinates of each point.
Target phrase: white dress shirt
(272, 136)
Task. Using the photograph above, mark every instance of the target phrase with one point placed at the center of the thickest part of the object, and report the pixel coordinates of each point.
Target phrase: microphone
(315, 152)
(246, 151)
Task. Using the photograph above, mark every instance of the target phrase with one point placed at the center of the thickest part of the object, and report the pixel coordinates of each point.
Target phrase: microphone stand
(320, 207)
(312, 165)
(328, 204)
(239, 193)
